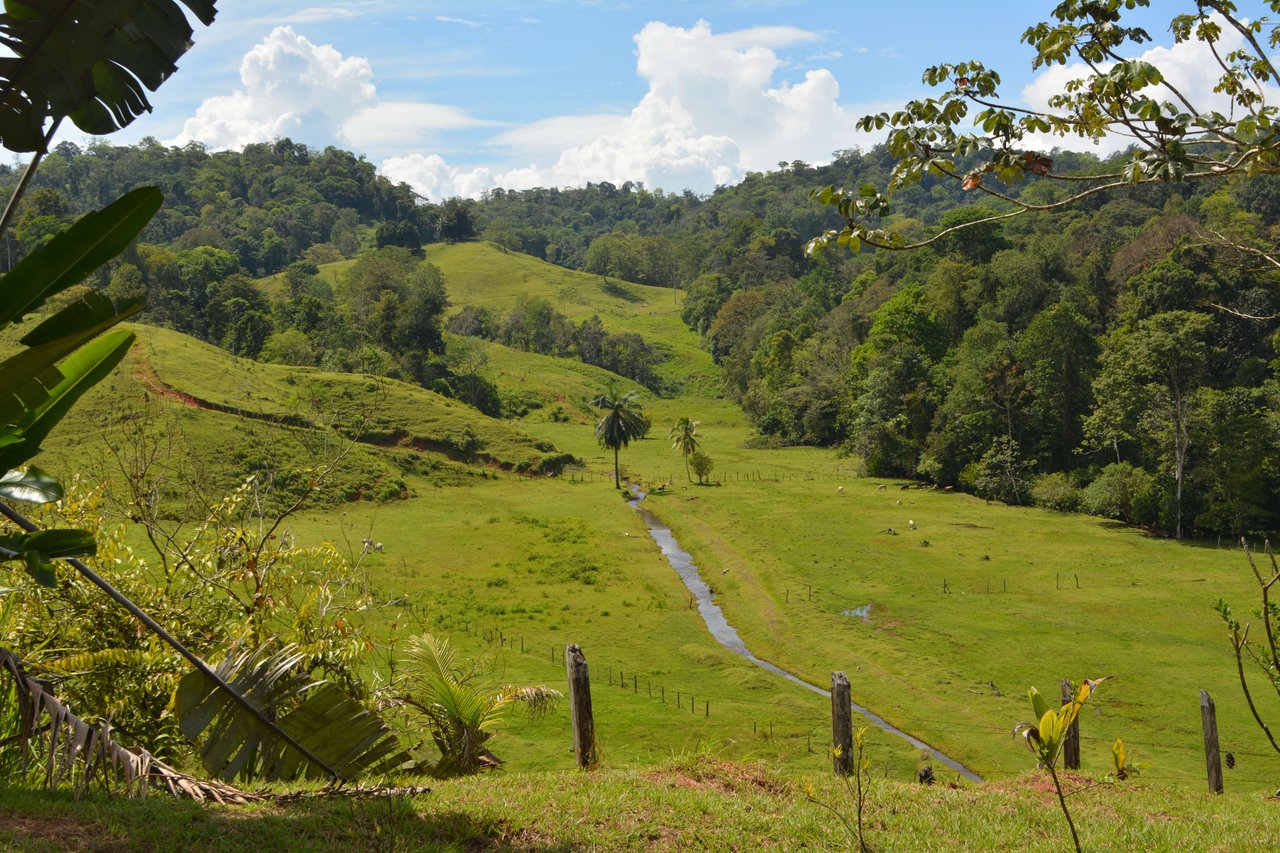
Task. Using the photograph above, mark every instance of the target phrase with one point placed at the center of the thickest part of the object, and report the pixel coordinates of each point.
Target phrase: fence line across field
(700, 703)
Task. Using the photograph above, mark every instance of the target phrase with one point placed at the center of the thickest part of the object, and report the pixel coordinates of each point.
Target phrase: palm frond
(538, 701)
(458, 708)
(317, 715)
(96, 661)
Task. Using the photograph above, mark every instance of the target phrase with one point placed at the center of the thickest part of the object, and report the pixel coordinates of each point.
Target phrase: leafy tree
(1149, 386)
(706, 294)
(702, 465)
(290, 346)
(455, 222)
(986, 402)
(1001, 474)
(684, 437)
(1055, 491)
(623, 423)
(1121, 491)
(1237, 471)
(1058, 354)
(1174, 139)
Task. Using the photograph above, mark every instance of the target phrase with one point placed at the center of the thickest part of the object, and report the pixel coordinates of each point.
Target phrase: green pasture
(512, 570)
(975, 605)
(389, 414)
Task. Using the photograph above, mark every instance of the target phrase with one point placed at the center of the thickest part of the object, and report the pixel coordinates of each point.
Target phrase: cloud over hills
(714, 108)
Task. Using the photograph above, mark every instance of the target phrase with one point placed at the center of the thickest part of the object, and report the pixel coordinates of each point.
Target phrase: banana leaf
(330, 725)
(91, 60)
(30, 486)
(90, 242)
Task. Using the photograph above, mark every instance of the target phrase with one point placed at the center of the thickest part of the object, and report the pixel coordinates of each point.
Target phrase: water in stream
(727, 635)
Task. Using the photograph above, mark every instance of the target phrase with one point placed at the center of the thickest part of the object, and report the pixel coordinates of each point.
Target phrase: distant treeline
(1107, 356)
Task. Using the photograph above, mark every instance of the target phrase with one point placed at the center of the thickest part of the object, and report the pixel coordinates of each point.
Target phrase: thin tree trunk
(687, 475)
(617, 479)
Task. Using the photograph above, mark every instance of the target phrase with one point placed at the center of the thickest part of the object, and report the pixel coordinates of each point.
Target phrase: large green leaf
(32, 486)
(92, 60)
(70, 256)
(319, 716)
(32, 407)
(40, 548)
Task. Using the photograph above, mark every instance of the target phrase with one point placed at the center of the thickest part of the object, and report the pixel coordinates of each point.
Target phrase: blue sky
(458, 97)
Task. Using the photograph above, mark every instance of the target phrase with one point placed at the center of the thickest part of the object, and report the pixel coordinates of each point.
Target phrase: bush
(1121, 491)
(702, 465)
(291, 346)
(1055, 491)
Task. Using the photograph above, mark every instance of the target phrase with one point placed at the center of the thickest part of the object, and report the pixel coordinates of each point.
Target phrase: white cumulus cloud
(312, 93)
(291, 88)
(713, 110)
(716, 105)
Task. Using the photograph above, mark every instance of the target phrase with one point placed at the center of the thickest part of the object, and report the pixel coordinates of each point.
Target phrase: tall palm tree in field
(623, 422)
(684, 437)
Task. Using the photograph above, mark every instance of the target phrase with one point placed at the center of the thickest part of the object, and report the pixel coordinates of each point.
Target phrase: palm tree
(459, 708)
(623, 422)
(684, 437)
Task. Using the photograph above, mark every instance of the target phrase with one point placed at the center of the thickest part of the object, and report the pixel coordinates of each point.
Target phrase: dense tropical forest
(1110, 357)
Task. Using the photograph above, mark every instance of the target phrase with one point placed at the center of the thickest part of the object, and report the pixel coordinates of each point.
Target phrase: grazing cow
(911, 523)
(880, 487)
(839, 490)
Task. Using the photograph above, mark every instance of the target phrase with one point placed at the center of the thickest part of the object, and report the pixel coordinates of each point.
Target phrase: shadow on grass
(39, 821)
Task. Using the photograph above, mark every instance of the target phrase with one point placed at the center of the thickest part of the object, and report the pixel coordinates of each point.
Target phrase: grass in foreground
(693, 802)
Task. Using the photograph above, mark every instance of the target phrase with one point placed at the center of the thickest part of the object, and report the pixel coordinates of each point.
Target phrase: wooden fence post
(584, 728)
(1213, 762)
(841, 725)
(1071, 743)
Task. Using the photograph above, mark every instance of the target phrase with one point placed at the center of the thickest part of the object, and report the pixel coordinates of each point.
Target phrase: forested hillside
(1108, 357)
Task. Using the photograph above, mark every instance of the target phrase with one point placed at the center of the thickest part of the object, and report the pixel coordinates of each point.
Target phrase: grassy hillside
(220, 418)
(485, 275)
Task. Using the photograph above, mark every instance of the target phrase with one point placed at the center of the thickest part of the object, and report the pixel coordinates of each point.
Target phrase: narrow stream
(727, 635)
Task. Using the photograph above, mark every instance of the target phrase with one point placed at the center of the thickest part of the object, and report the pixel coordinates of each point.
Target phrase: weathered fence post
(584, 727)
(1213, 762)
(841, 725)
(1071, 743)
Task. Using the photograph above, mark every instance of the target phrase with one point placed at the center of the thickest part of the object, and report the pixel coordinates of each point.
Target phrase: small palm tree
(623, 422)
(458, 708)
(684, 437)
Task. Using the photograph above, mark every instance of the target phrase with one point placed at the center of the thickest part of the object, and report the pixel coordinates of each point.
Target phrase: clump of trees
(535, 326)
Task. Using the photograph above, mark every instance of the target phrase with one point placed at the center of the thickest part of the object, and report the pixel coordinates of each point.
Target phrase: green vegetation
(684, 438)
(457, 707)
(388, 434)
(1048, 735)
(689, 802)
